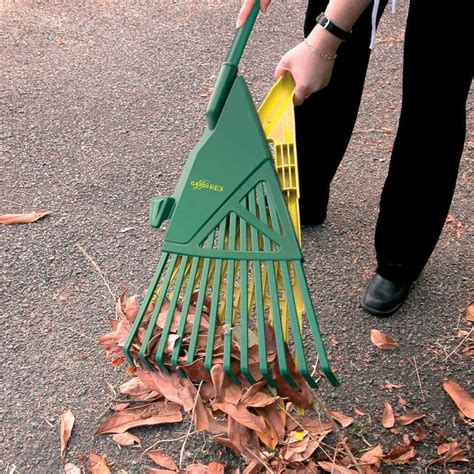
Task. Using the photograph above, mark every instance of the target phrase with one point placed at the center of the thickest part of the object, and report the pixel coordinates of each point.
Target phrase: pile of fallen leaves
(256, 421)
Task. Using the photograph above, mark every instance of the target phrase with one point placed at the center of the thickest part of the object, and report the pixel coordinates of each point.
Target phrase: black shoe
(383, 297)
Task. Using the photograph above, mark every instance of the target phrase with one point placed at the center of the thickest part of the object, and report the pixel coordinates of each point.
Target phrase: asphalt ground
(101, 102)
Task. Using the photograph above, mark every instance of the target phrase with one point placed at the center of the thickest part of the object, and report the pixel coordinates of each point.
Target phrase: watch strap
(327, 24)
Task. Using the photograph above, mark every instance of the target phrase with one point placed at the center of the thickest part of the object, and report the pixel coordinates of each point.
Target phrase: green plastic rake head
(230, 252)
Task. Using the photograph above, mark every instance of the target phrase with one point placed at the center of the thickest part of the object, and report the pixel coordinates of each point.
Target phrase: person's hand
(247, 6)
(310, 72)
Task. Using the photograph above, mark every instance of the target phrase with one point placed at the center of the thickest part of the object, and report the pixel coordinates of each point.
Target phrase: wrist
(333, 28)
(324, 40)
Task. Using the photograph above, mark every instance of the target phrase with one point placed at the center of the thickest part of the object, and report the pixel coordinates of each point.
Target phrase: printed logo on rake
(205, 184)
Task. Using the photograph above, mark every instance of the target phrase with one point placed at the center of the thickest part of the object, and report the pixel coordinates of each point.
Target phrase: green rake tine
(200, 303)
(244, 308)
(229, 307)
(185, 310)
(323, 358)
(143, 308)
(216, 287)
(295, 327)
(277, 323)
(170, 316)
(155, 314)
(259, 307)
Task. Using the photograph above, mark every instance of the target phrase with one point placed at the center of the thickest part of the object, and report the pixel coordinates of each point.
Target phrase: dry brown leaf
(257, 399)
(390, 386)
(71, 468)
(382, 341)
(451, 452)
(137, 390)
(373, 456)
(335, 469)
(252, 468)
(244, 439)
(149, 414)
(468, 351)
(8, 219)
(268, 437)
(359, 412)
(402, 401)
(275, 419)
(172, 387)
(99, 464)
(342, 419)
(460, 397)
(388, 418)
(465, 419)
(313, 425)
(302, 396)
(470, 312)
(120, 406)
(240, 414)
(216, 468)
(401, 454)
(196, 370)
(420, 434)
(162, 459)
(126, 439)
(67, 422)
(196, 469)
(226, 442)
(157, 470)
(409, 418)
(301, 450)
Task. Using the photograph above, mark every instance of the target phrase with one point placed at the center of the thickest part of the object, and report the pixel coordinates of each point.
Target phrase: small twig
(49, 423)
(124, 400)
(97, 269)
(173, 440)
(458, 346)
(112, 389)
(267, 467)
(418, 377)
(318, 401)
(334, 457)
(310, 436)
(193, 412)
(447, 357)
(315, 366)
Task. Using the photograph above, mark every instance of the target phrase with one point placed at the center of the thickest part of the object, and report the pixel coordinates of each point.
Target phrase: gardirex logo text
(205, 184)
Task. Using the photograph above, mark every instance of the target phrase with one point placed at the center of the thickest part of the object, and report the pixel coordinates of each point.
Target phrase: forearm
(343, 13)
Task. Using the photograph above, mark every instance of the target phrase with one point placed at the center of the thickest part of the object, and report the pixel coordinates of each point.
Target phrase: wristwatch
(327, 24)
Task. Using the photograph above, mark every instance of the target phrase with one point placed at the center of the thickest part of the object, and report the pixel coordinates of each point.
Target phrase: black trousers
(437, 73)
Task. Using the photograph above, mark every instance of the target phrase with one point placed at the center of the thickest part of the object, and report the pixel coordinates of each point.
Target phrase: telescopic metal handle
(228, 71)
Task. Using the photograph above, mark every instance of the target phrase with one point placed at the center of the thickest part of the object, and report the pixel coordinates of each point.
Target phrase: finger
(301, 94)
(280, 70)
(244, 12)
(264, 5)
